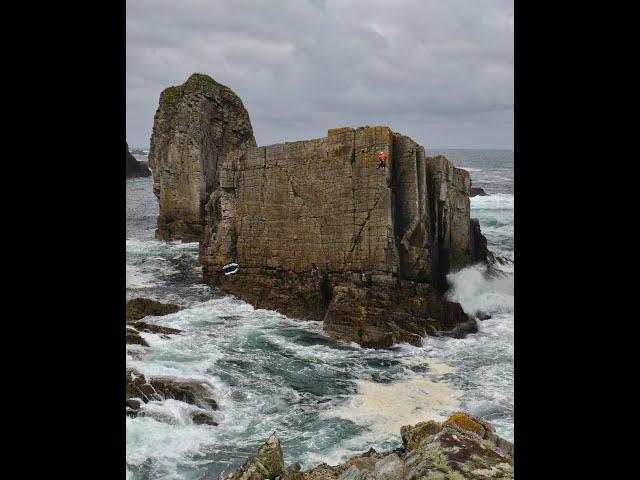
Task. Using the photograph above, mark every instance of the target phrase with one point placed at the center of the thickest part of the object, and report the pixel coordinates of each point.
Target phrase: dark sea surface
(326, 400)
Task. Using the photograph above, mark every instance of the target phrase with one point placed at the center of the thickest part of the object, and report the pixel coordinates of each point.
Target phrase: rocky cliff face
(462, 447)
(135, 168)
(383, 239)
(195, 126)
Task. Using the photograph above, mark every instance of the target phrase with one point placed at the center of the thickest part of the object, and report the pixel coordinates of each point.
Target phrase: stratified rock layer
(462, 447)
(383, 239)
(195, 126)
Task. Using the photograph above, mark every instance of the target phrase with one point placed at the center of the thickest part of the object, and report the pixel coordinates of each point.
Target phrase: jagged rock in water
(462, 447)
(136, 168)
(141, 390)
(480, 315)
(203, 418)
(477, 192)
(384, 239)
(498, 266)
(195, 126)
(158, 329)
(134, 338)
(138, 308)
(267, 464)
(134, 329)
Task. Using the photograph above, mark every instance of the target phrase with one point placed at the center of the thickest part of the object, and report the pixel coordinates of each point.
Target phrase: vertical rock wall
(195, 126)
(383, 239)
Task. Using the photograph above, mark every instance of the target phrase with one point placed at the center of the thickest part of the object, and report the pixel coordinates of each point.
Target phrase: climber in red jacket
(382, 160)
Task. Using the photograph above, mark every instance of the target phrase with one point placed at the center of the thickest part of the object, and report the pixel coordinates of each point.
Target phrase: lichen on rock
(451, 450)
(266, 464)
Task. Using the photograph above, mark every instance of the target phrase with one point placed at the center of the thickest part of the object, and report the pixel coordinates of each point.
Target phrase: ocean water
(327, 400)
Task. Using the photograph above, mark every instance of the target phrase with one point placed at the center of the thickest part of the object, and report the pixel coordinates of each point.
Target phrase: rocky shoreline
(140, 389)
(461, 447)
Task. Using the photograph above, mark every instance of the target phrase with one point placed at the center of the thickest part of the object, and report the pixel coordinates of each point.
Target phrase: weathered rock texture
(142, 390)
(462, 447)
(138, 308)
(383, 239)
(136, 168)
(195, 126)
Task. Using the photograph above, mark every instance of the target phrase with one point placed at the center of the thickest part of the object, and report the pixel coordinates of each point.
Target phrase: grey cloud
(440, 71)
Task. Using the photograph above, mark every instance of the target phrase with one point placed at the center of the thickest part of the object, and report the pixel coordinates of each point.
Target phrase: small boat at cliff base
(230, 268)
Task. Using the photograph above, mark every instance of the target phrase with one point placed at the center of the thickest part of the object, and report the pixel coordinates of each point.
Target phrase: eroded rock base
(375, 311)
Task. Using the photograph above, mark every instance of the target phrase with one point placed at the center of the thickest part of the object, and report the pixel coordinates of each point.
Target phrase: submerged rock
(158, 329)
(142, 307)
(134, 338)
(203, 418)
(462, 447)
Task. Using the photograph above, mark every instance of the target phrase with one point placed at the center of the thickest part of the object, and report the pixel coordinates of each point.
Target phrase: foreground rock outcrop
(138, 308)
(382, 239)
(141, 390)
(462, 447)
(135, 168)
(196, 125)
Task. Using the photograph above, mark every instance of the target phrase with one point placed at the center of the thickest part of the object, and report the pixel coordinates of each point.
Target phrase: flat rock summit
(322, 229)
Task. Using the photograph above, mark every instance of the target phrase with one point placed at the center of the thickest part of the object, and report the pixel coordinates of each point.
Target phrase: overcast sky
(440, 71)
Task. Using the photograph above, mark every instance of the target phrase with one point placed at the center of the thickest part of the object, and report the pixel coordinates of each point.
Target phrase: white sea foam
(166, 445)
(493, 201)
(173, 412)
(137, 278)
(383, 408)
(475, 291)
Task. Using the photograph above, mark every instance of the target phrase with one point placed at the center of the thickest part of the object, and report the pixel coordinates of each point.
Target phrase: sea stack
(357, 229)
(383, 239)
(195, 126)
